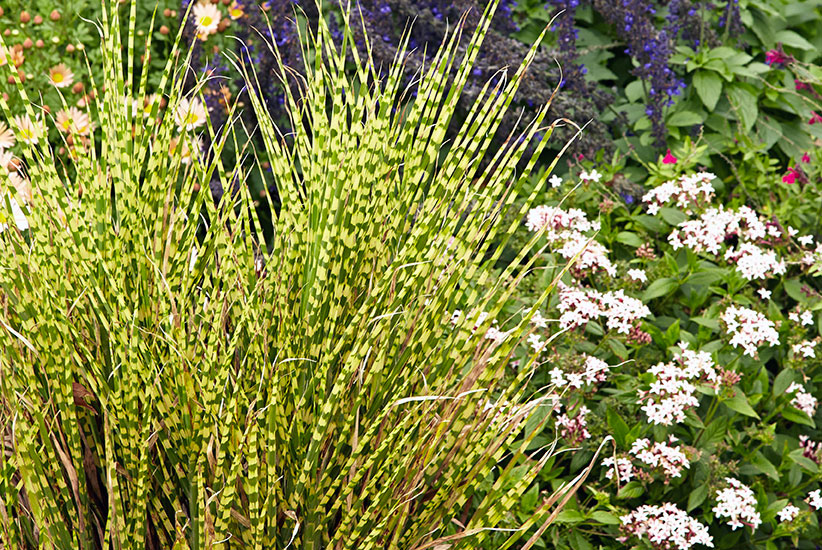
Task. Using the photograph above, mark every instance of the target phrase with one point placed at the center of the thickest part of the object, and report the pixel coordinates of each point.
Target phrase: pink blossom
(790, 177)
(578, 306)
(814, 118)
(574, 429)
(802, 400)
(738, 504)
(776, 57)
(806, 158)
(800, 85)
(666, 527)
(669, 158)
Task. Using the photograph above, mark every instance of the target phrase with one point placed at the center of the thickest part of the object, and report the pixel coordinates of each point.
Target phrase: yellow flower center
(66, 124)
(191, 118)
(57, 77)
(206, 21)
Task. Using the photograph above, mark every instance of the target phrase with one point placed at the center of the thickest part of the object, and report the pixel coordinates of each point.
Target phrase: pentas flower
(810, 449)
(805, 158)
(749, 329)
(788, 513)
(673, 391)
(814, 499)
(688, 191)
(803, 318)
(574, 429)
(669, 459)
(709, 232)
(814, 118)
(764, 293)
(622, 467)
(738, 504)
(637, 275)
(557, 222)
(555, 181)
(578, 306)
(802, 400)
(666, 527)
(805, 349)
(594, 371)
(590, 255)
(593, 175)
(753, 262)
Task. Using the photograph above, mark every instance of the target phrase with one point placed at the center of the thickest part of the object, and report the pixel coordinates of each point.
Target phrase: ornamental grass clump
(172, 376)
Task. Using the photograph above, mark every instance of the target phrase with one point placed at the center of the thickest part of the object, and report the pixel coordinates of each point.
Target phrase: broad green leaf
(708, 85)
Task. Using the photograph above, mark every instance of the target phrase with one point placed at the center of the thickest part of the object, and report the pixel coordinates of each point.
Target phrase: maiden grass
(162, 387)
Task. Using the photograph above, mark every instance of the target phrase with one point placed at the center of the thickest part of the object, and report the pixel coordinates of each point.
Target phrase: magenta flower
(777, 57)
(670, 159)
(814, 118)
(801, 85)
(806, 158)
(790, 177)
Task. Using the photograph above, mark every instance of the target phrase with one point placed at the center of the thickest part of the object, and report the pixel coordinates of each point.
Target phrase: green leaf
(744, 103)
(782, 381)
(792, 39)
(708, 86)
(631, 490)
(619, 428)
(672, 216)
(797, 417)
(764, 466)
(660, 287)
(606, 518)
(684, 118)
(697, 496)
(797, 457)
(569, 516)
(739, 403)
(629, 238)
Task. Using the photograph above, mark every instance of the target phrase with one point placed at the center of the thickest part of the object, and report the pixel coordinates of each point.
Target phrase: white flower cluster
(814, 499)
(802, 400)
(637, 275)
(673, 391)
(671, 460)
(749, 329)
(590, 255)
(666, 527)
(623, 466)
(662, 456)
(568, 229)
(594, 371)
(690, 190)
(578, 306)
(710, 231)
(738, 504)
(804, 318)
(754, 262)
(788, 513)
(805, 348)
